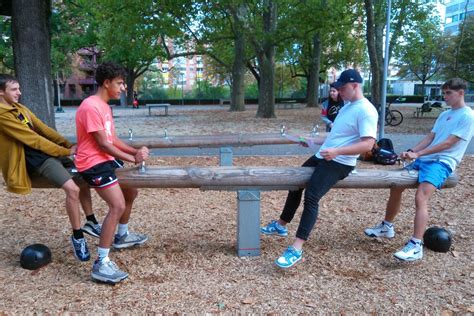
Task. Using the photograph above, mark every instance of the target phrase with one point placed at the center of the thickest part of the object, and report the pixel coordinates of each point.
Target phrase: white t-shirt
(458, 122)
(355, 120)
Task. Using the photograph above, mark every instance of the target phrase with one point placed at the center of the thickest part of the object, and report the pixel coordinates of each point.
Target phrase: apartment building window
(452, 8)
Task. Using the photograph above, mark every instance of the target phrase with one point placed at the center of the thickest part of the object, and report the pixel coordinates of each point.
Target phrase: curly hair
(109, 70)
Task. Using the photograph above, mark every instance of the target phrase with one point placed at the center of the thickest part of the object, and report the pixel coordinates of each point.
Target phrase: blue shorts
(431, 171)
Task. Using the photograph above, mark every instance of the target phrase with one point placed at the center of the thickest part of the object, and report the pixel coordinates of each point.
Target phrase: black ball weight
(437, 239)
(35, 256)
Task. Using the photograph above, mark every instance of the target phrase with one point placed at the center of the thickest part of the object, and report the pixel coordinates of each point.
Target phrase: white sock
(278, 225)
(122, 229)
(389, 224)
(103, 254)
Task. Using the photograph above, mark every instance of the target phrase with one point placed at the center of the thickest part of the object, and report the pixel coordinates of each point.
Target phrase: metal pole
(385, 71)
(59, 109)
(182, 89)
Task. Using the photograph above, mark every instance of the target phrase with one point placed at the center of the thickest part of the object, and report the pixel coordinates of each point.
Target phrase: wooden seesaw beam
(262, 178)
(207, 141)
(249, 181)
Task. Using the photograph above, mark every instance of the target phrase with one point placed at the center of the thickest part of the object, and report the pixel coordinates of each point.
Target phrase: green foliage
(205, 90)
(338, 27)
(420, 56)
(6, 51)
(67, 36)
(151, 83)
(458, 54)
(251, 91)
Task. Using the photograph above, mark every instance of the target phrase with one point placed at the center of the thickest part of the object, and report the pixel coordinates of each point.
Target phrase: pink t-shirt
(92, 115)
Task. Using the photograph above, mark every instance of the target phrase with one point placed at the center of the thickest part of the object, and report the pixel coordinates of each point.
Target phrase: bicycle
(393, 117)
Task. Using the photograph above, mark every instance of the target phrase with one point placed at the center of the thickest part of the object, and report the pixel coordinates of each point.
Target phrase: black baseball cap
(347, 76)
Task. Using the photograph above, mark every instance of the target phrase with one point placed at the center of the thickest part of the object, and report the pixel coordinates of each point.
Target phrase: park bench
(222, 102)
(288, 104)
(249, 182)
(427, 107)
(159, 105)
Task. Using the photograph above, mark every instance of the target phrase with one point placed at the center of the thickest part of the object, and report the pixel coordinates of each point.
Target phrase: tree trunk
(372, 47)
(266, 97)
(312, 94)
(238, 68)
(266, 60)
(130, 85)
(423, 83)
(31, 41)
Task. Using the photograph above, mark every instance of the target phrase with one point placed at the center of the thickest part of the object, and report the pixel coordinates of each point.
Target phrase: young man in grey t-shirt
(436, 157)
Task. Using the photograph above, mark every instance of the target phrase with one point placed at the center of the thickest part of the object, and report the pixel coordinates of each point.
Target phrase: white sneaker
(380, 230)
(411, 252)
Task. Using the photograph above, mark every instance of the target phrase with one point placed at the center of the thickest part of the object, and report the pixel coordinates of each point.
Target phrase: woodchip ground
(189, 264)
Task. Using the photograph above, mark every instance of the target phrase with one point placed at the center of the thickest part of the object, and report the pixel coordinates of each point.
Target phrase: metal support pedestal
(225, 156)
(248, 223)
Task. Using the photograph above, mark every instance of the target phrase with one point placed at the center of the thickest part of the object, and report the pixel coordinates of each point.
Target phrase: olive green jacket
(15, 133)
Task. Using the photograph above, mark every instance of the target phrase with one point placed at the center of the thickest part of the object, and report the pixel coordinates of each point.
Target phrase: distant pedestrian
(135, 100)
(330, 107)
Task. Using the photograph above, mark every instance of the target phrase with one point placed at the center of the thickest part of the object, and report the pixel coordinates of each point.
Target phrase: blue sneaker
(289, 257)
(274, 229)
(80, 250)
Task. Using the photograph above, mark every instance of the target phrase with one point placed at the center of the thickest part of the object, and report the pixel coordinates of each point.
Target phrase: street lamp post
(385, 70)
(182, 88)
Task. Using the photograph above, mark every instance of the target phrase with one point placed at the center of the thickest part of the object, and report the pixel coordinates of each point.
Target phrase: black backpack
(384, 153)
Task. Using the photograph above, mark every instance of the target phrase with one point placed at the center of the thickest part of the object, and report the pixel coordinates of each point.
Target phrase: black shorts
(102, 175)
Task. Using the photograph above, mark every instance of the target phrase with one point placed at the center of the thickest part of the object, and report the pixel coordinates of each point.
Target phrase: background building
(456, 12)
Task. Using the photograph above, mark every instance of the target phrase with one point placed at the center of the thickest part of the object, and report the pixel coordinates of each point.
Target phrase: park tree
(133, 33)
(126, 34)
(458, 60)
(404, 13)
(31, 42)
(221, 37)
(261, 27)
(331, 38)
(421, 54)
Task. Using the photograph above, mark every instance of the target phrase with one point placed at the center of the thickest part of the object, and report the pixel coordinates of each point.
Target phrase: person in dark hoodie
(30, 148)
(330, 108)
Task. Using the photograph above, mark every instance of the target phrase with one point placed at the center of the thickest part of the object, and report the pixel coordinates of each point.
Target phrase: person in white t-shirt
(436, 157)
(354, 132)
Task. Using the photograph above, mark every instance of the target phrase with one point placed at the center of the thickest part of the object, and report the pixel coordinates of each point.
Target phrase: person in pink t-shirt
(99, 153)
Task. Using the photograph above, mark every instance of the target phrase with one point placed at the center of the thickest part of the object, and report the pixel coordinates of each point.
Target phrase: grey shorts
(58, 171)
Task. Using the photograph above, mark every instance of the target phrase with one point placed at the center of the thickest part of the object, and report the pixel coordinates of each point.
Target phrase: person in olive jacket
(29, 148)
